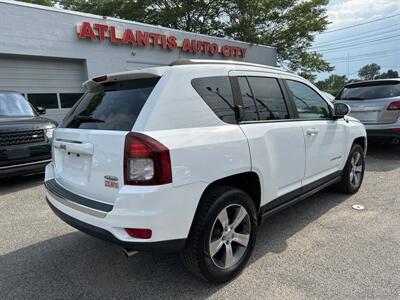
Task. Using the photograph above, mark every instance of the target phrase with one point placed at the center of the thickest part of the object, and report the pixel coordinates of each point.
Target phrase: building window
(43, 100)
(69, 99)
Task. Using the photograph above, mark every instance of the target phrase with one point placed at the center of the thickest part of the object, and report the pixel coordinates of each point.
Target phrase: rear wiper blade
(87, 119)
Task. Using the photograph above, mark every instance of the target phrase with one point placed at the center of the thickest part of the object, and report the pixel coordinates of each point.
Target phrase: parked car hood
(24, 123)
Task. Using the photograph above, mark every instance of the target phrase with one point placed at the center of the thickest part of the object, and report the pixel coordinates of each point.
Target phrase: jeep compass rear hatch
(88, 147)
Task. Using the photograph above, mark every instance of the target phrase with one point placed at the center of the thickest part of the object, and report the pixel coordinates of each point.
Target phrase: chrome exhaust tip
(128, 252)
(395, 141)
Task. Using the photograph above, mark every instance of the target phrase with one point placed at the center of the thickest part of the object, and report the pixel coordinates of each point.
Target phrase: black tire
(196, 254)
(346, 185)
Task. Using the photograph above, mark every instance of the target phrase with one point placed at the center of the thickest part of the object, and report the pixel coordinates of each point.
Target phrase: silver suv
(375, 103)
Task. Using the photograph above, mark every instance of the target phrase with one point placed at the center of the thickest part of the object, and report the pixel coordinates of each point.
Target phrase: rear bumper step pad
(54, 188)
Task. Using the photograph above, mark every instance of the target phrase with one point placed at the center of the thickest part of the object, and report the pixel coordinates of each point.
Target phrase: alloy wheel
(356, 169)
(229, 236)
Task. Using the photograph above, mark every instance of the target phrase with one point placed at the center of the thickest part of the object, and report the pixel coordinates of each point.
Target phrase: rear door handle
(312, 131)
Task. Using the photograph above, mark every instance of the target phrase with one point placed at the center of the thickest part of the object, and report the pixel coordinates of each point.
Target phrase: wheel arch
(362, 141)
(249, 182)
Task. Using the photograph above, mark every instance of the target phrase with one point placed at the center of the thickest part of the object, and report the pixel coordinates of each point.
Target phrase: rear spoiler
(96, 83)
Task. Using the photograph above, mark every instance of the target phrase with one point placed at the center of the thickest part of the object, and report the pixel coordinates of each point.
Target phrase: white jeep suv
(192, 157)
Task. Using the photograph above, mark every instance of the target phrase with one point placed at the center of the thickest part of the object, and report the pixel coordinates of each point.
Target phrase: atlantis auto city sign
(137, 38)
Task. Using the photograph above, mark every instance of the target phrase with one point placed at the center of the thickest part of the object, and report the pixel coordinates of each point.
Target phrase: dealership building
(46, 53)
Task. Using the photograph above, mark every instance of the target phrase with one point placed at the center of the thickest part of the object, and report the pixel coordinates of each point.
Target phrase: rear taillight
(394, 106)
(146, 161)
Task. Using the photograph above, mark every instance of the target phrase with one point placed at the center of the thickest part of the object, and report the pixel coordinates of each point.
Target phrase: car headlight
(49, 133)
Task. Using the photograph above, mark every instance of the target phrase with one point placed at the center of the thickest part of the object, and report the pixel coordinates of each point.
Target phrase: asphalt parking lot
(320, 248)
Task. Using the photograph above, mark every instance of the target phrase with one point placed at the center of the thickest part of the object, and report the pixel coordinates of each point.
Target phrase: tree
(333, 84)
(41, 2)
(368, 72)
(388, 74)
(200, 16)
(288, 25)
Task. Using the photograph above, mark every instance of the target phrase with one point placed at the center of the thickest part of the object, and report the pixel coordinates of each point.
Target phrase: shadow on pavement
(76, 265)
(18, 183)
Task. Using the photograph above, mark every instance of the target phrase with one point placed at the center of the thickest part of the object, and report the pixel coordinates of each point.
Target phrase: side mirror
(341, 110)
(40, 110)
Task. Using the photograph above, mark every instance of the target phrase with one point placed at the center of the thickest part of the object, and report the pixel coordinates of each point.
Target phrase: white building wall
(35, 30)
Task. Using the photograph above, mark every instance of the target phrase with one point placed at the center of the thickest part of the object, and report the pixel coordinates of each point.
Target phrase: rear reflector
(394, 105)
(395, 129)
(146, 161)
(100, 78)
(139, 233)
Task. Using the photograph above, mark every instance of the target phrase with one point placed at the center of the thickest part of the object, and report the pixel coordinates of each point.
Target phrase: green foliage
(368, 72)
(333, 84)
(288, 25)
(389, 74)
(125, 9)
(200, 16)
(40, 2)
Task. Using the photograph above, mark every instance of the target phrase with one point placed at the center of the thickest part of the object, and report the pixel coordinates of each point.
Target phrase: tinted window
(249, 107)
(217, 93)
(309, 104)
(115, 107)
(43, 100)
(368, 91)
(269, 98)
(69, 99)
(14, 104)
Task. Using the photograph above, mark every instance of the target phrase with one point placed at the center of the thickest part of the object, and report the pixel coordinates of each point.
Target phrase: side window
(269, 98)
(217, 93)
(249, 107)
(43, 100)
(309, 104)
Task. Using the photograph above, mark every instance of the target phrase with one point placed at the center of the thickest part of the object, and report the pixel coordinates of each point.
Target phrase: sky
(349, 49)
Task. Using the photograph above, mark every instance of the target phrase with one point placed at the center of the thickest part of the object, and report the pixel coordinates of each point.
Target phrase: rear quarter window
(217, 94)
(115, 107)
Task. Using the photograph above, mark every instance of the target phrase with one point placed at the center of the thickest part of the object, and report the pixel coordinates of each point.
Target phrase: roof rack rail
(220, 62)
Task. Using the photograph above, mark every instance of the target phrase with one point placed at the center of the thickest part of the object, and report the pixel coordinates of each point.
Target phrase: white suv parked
(192, 157)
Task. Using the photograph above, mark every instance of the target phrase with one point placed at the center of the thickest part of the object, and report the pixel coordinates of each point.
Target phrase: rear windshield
(115, 107)
(364, 91)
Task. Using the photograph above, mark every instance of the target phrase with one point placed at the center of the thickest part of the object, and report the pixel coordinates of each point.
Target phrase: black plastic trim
(61, 192)
(164, 246)
(298, 195)
(382, 133)
(24, 169)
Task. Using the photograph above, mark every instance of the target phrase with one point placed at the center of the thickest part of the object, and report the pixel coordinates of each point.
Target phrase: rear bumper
(166, 210)
(383, 133)
(163, 246)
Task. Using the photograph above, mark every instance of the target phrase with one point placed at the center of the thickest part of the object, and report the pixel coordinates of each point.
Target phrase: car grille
(21, 137)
